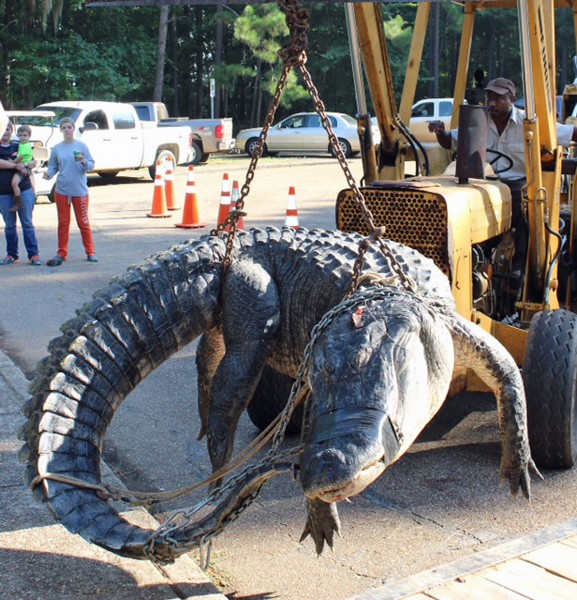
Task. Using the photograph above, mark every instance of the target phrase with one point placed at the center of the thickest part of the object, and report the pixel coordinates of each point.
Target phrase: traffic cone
(190, 218)
(158, 197)
(292, 213)
(169, 186)
(236, 196)
(224, 207)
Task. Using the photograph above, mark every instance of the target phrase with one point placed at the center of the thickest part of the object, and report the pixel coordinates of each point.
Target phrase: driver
(505, 134)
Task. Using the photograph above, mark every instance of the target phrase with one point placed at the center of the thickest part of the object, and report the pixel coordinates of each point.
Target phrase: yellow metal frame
(475, 204)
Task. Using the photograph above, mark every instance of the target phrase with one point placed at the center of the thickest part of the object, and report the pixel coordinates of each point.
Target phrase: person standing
(8, 152)
(71, 159)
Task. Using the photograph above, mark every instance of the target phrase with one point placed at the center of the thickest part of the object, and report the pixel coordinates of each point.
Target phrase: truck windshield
(59, 111)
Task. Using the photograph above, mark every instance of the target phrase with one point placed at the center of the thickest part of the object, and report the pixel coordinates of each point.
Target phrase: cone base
(173, 208)
(185, 226)
(152, 216)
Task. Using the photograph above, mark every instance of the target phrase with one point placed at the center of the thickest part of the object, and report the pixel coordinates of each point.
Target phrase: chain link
(179, 533)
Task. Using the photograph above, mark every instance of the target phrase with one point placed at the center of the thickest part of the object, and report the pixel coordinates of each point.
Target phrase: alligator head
(378, 375)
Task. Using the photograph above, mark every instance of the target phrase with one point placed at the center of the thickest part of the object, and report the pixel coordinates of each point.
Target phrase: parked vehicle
(303, 133)
(114, 134)
(430, 109)
(209, 136)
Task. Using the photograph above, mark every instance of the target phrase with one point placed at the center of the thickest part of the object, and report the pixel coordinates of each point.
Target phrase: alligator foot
(518, 476)
(322, 523)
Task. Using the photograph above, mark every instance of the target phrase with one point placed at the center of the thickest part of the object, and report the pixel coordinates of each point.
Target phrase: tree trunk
(218, 56)
(161, 55)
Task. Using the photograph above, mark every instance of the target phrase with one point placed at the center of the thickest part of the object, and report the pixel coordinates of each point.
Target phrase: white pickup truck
(209, 136)
(113, 132)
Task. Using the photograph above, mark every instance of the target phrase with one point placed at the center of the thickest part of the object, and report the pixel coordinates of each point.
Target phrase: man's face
(499, 106)
(7, 135)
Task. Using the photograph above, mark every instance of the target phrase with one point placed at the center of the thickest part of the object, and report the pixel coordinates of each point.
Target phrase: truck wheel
(345, 147)
(269, 399)
(163, 156)
(204, 158)
(550, 378)
(197, 154)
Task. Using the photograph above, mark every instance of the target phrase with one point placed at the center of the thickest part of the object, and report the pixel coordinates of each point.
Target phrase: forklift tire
(550, 378)
(270, 398)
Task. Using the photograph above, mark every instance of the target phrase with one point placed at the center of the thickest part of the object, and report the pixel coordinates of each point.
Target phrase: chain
(179, 533)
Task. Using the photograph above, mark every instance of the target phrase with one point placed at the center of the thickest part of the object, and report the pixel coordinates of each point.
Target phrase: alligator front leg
(250, 322)
(477, 350)
(209, 355)
(322, 523)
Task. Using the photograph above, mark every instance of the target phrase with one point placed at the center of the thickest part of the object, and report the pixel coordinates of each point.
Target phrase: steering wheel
(498, 155)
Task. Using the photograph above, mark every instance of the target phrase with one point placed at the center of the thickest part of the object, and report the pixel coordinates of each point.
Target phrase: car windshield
(59, 111)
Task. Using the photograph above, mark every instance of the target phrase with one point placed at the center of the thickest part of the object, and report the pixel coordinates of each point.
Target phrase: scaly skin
(278, 287)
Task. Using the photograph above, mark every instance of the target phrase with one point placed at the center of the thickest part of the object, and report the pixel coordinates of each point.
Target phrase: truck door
(99, 140)
(128, 136)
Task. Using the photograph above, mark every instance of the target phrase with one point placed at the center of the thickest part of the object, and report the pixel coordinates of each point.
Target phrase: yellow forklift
(459, 213)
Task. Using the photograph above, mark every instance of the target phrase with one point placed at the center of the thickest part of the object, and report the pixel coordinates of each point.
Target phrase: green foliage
(111, 54)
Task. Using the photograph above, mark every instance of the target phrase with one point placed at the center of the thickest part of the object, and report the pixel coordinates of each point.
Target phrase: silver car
(303, 133)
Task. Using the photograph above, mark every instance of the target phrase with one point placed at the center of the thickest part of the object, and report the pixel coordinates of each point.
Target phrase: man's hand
(436, 127)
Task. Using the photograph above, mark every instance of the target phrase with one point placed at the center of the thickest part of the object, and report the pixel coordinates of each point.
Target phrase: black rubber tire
(345, 147)
(550, 378)
(197, 154)
(162, 155)
(269, 399)
(251, 146)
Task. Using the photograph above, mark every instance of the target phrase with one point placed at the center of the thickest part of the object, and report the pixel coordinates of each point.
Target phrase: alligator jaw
(365, 477)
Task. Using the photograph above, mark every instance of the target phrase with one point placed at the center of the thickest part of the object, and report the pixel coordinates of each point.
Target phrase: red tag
(358, 318)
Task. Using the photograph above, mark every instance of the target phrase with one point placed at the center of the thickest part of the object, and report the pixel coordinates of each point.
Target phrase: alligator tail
(124, 333)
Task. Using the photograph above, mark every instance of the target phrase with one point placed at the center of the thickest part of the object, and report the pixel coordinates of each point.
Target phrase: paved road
(439, 503)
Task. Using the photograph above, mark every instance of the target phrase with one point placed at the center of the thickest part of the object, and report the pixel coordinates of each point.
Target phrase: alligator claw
(519, 477)
(322, 523)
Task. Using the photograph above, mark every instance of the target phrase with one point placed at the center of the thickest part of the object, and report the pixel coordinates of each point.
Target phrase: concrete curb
(41, 559)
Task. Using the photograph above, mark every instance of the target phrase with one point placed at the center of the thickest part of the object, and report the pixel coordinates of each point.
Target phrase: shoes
(92, 258)
(35, 260)
(9, 260)
(55, 262)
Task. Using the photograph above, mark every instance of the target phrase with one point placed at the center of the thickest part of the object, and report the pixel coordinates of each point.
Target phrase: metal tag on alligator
(378, 371)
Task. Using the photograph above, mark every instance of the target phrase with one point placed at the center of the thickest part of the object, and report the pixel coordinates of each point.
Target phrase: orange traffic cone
(158, 197)
(169, 186)
(236, 196)
(190, 218)
(224, 207)
(292, 213)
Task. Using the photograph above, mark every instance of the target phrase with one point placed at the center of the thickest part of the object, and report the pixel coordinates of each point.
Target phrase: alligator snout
(330, 477)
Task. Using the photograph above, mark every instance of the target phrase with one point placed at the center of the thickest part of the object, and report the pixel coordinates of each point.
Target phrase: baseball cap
(501, 86)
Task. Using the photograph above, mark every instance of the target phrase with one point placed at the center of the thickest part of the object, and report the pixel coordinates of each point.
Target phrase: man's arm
(443, 137)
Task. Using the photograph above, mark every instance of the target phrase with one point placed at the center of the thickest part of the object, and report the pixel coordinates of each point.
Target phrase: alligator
(378, 372)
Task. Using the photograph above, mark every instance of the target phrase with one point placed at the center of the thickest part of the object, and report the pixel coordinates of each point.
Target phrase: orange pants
(80, 205)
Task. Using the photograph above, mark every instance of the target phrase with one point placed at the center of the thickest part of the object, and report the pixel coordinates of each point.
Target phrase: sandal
(9, 260)
(55, 262)
(92, 258)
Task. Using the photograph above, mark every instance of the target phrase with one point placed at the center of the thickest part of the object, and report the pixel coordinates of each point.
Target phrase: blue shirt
(71, 172)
